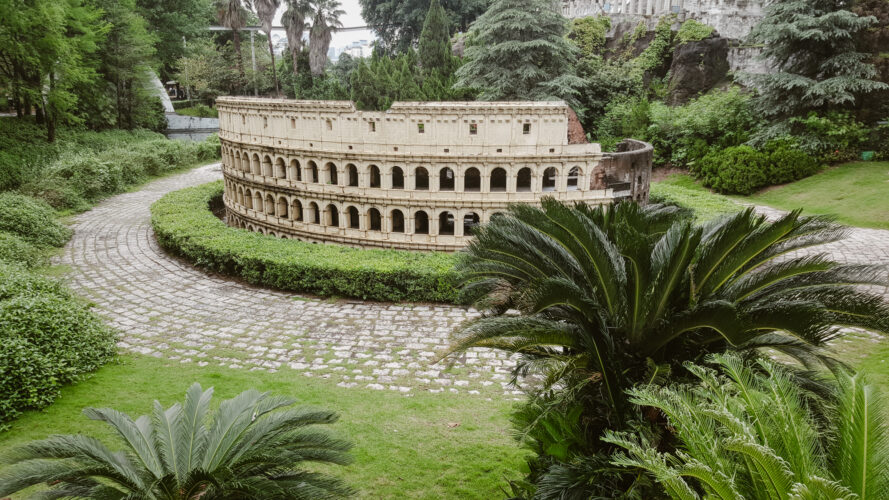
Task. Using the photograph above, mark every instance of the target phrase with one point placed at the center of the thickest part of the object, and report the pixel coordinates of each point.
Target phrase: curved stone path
(166, 308)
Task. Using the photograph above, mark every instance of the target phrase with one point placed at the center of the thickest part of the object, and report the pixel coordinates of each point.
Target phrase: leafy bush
(693, 31)
(743, 169)
(32, 220)
(832, 137)
(14, 249)
(47, 340)
(200, 111)
(185, 226)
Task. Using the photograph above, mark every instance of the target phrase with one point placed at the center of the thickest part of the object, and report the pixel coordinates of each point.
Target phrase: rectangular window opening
(420, 128)
(329, 125)
(373, 126)
(473, 128)
(293, 123)
(526, 128)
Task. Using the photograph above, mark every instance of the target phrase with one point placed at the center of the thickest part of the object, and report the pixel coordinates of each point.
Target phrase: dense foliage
(398, 23)
(608, 298)
(254, 446)
(744, 170)
(747, 430)
(47, 339)
(32, 220)
(185, 226)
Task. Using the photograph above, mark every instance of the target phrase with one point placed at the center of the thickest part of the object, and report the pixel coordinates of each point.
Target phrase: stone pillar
(386, 177)
(511, 179)
(458, 224)
(433, 223)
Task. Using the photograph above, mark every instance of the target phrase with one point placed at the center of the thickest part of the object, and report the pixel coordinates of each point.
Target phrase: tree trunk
(236, 40)
(49, 116)
(38, 115)
(294, 53)
(274, 70)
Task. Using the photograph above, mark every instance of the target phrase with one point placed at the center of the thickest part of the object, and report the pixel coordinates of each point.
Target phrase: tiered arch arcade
(317, 171)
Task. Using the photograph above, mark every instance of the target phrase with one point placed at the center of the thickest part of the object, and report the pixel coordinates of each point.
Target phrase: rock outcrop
(697, 67)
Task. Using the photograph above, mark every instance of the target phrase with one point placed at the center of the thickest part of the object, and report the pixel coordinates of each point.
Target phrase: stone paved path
(166, 308)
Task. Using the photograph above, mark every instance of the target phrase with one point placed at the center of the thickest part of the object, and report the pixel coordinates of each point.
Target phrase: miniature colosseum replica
(419, 176)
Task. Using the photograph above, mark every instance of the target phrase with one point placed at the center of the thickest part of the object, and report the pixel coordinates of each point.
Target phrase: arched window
(332, 216)
(266, 166)
(549, 179)
(421, 222)
(373, 173)
(236, 161)
(498, 180)
(352, 171)
(257, 201)
(446, 179)
(397, 221)
(574, 178)
(241, 196)
(354, 218)
(296, 210)
(523, 180)
(313, 172)
(295, 171)
(397, 178)
(280, 169)
(316, 215)
(255, 167)
(472, 180)
(281, 211)
(421, 179)
(375, 220)
(269, 204)
(248, 199)
(470, 221)
(446, 223)
(330, 173)
(245, 163)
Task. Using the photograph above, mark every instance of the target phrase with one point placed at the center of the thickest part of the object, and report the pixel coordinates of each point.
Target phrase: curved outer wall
(418, 176)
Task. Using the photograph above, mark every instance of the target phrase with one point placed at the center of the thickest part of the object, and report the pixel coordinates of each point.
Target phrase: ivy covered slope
(185, 226)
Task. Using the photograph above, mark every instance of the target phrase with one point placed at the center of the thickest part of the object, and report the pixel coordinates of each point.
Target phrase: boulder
(697, 67)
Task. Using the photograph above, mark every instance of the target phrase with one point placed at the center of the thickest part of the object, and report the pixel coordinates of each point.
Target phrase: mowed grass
(856, 193)
(416, 446)
(682, 189)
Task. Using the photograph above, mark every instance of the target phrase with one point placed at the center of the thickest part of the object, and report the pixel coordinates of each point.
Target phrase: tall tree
(294, 21)
(435, 42)
(233, 15)
(325, 22)
(817, 67)
(265, 10)
(517, 50)
(171, 21)
(398, 23)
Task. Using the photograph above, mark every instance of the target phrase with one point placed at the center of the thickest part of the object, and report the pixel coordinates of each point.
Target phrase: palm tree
(233, 15)
(294, 21)
(745, 431)
(265, 10)
(326, 21)
(252, 447)
(609, 297)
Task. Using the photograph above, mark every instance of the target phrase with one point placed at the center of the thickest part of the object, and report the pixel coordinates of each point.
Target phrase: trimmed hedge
(744, 170)
(47, 340)
(185, 226)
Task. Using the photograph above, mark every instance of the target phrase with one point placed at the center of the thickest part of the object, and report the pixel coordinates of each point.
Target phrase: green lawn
(406, 446)
(683, 190)
(857, 193)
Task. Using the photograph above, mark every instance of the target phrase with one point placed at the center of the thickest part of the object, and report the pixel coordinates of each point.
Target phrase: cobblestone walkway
(166, 308)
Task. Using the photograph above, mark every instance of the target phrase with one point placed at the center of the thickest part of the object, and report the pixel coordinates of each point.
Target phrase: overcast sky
(352, 18)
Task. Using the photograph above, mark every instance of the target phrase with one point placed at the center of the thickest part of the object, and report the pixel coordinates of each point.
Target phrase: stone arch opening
(498, 180)
(244, 164)
(523, 180)
(573, 181)
(375, 220)
(397, 178)
(281, 210)
(269, 204)
(446, 223)
(354, 218)
(280, 169)
(421, 179)
(295, 170)
(296, 210)
(470, 222)
(446, 179)
(255, 168)
(421, 222)
(241, 196)
(397, 221)
(248, 199)
(352, 172)
(257, 201)
(472, 180)
(373, 173)
(549, 179)
(332, 216)
(330, 174)
(313, 171)
(316, 214)
(267, 166)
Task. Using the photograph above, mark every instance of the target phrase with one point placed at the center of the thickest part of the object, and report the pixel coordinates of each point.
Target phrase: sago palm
(746, 432)
(607, 297)
(253, 447)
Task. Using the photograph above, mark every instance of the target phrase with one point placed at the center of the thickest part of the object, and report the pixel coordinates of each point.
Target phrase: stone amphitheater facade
(419, 176)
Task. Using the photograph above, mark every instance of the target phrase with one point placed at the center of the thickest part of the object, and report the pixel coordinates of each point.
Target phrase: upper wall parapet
(437, 129)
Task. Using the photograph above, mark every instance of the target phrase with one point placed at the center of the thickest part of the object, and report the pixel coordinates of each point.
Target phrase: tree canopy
(398, 23)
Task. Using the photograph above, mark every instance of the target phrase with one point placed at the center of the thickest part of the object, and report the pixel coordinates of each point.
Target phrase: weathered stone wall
(419, 176)
(627, 171)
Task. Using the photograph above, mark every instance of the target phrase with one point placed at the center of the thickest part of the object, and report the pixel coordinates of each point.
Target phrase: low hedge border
(186, 227)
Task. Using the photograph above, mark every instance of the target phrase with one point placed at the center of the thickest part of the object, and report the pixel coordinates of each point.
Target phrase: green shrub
(200, 111)
(185, 226)
(47, 340)
(787, 165)
(16, 250)
(32, 220)
(743, 170)
(693, 31)
(832, 137)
